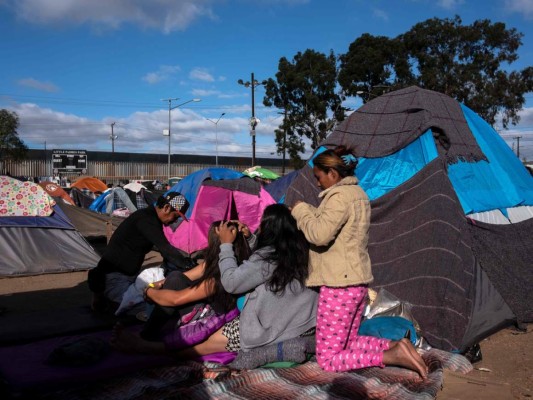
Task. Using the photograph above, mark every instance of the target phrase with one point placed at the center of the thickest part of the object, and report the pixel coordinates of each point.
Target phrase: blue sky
(71, 68)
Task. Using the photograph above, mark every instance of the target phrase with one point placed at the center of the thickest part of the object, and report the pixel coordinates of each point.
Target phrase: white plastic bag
(134, 293)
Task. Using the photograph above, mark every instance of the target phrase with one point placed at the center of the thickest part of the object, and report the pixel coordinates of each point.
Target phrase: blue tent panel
(500, 183)
(58, 219)
(378, 176)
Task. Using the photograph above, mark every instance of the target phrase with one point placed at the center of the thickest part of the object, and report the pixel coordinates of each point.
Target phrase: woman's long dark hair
(242, 252)
(290, 248)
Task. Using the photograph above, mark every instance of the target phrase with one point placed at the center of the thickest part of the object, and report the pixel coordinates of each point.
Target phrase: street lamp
(253, 121)
(170, 108)
(216, 134)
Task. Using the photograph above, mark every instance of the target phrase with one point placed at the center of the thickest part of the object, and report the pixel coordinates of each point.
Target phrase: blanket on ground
(193, 380)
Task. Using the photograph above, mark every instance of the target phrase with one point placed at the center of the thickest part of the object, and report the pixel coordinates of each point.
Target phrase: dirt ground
(505, 371)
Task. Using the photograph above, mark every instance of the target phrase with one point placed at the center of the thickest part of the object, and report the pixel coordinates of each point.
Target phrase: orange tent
(93, 184)
(54, 190)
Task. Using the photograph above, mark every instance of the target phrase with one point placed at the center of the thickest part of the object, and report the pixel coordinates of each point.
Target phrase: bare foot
(401, 354)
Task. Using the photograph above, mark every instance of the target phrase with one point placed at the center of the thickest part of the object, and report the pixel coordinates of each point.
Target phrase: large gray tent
(465, 279)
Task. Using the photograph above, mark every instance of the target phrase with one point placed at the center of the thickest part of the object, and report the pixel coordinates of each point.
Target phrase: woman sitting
(182, 294)
(277, 305)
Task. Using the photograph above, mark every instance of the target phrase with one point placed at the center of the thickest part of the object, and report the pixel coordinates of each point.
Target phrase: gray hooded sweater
(267, 317)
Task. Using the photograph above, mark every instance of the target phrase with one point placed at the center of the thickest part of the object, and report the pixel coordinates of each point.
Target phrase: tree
(372, 65)
(11, 147)
(467, 62)
(305, 89)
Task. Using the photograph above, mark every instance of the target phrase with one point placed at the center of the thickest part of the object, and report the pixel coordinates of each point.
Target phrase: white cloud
(163, 73)
(163, 15)
(204, 93)
(201, 74)
(35, 84)
(524, 7)
(141, 132)
(450, 4)
(381, 14)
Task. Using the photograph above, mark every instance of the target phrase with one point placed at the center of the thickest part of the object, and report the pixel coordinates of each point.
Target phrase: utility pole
(253, 121)
(113, 137)
(518, 145)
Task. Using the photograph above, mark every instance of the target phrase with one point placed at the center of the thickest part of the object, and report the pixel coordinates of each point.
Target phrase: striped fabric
(192, 380)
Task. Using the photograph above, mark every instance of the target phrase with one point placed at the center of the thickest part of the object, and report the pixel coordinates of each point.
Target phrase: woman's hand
(226, 234)
(243, 228)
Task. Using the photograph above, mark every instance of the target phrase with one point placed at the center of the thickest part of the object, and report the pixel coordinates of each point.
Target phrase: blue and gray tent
(451, 213)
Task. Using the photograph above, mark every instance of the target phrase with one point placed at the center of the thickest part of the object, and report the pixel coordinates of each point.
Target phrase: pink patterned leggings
(338, 347)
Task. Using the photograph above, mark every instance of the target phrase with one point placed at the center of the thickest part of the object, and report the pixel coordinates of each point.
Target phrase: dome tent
(426, 162)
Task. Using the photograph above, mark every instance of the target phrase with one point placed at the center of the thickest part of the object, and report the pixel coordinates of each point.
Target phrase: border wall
(117, 167)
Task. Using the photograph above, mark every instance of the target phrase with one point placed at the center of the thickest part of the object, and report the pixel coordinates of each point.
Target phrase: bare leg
(403, 354)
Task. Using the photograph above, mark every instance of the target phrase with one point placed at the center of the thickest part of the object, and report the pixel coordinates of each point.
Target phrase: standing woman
(339, 264)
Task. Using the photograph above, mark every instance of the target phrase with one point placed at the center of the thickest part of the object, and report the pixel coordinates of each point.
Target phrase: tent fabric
(23, 199)
(241, 198)
(278, 188)
(390, 122)
(56, 192)
(506, 254)
(421, 252)
(57, 220)
(499, 182)
(134, 187)
(242, 185)
(190, 185)
(91, 183)
(36, 251)
(111, 200)
(34, 244)
(378, 176)
(514, 215)
(91, 225)
(82, 197)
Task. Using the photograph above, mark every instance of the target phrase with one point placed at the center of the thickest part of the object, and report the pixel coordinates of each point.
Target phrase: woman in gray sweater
(277, 304)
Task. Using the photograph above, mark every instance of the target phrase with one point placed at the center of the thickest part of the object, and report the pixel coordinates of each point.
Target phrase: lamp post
(170, 108)
(253, 121)
(216, 134)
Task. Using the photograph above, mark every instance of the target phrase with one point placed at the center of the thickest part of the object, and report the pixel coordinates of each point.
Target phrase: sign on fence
(69, 161)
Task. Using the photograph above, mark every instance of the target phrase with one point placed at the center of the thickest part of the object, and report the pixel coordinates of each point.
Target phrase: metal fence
(134, 166)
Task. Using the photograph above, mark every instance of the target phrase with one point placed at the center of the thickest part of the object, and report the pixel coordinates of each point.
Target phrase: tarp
(260, 172)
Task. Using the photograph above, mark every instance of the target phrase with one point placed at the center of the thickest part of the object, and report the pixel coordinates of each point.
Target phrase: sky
(78, 71)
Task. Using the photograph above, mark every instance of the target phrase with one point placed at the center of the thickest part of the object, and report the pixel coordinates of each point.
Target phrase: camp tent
(90, 183)
(36, 237)
(428, 163)
(56, 192)
(230, 195)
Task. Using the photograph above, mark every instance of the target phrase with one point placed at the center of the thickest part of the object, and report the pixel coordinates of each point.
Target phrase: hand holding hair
(226, 233)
